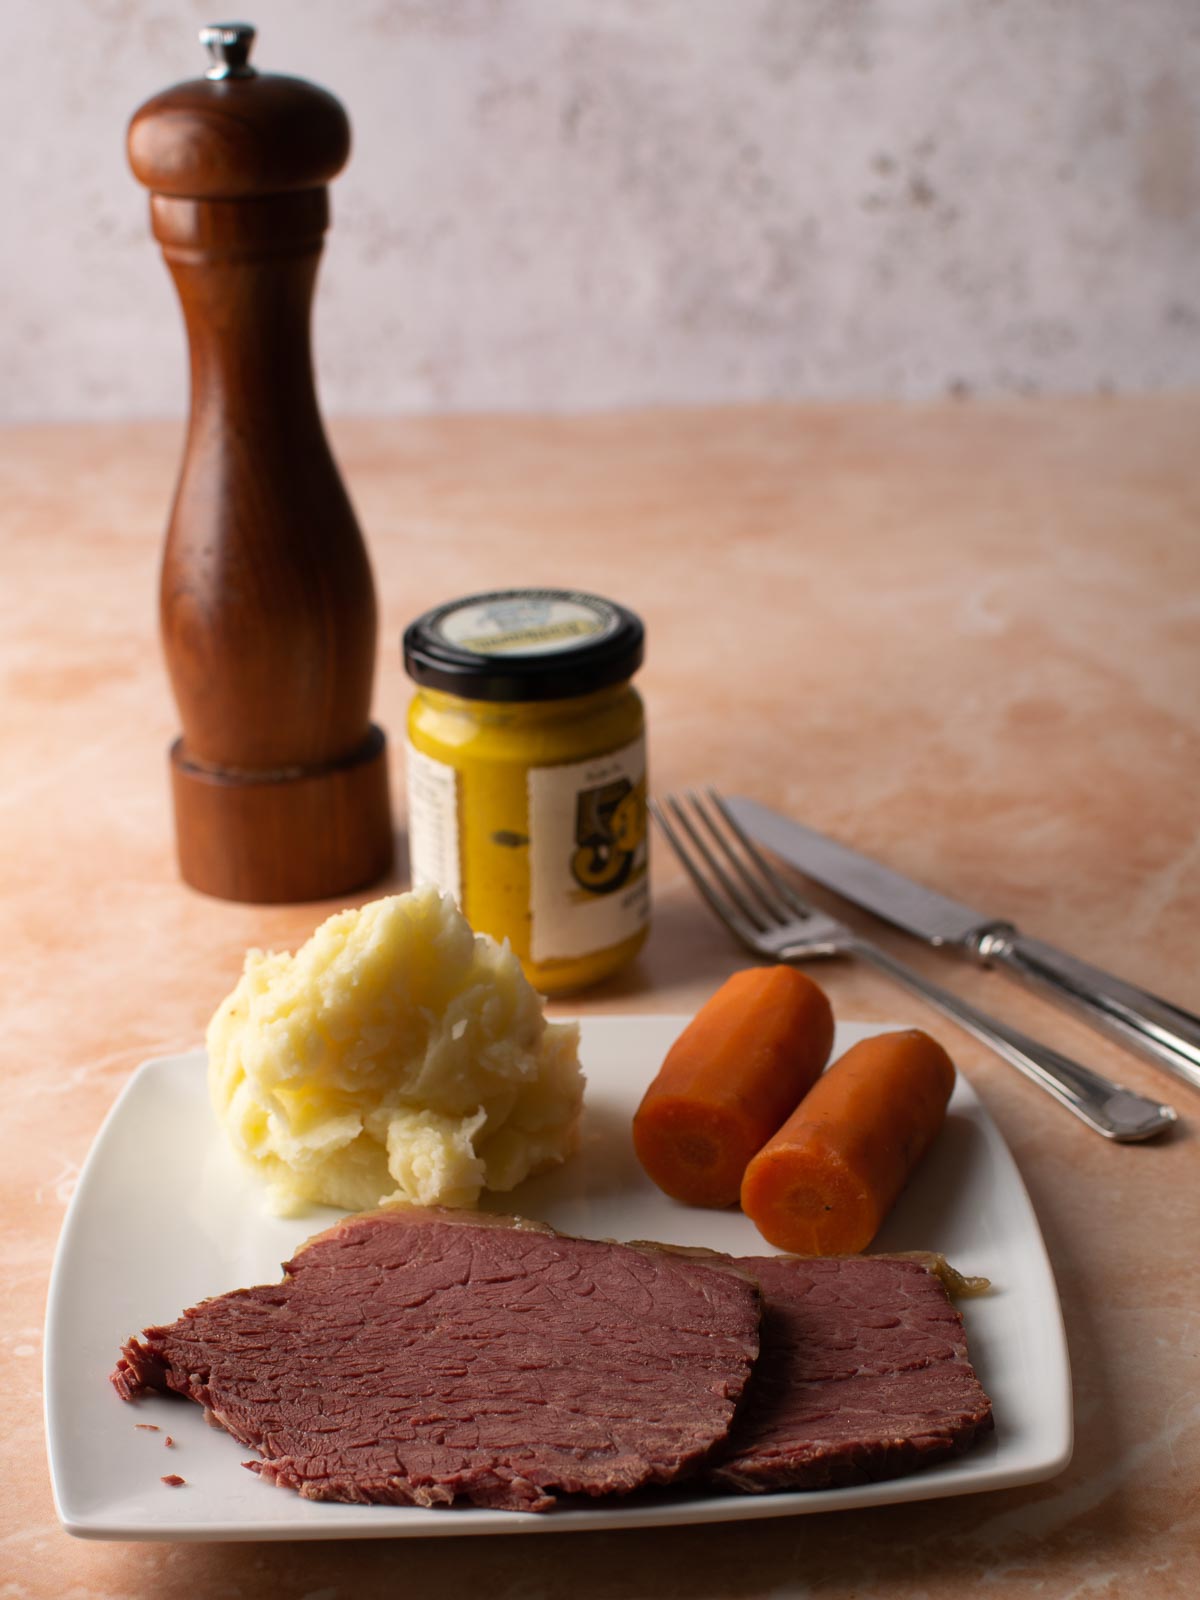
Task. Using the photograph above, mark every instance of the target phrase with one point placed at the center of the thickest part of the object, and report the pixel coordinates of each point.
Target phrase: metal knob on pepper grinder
(267, 602)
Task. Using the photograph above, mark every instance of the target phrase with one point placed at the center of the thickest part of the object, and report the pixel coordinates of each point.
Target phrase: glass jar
(526, 768)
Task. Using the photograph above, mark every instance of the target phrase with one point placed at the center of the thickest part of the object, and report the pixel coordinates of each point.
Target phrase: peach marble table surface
(966, 637)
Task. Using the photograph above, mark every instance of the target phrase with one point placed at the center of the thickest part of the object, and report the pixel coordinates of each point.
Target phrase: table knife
(1164, 1033)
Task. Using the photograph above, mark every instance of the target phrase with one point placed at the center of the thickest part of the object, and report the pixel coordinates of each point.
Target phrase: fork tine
(797, 906)
(760, 885)
(723, 911)
(732, 892)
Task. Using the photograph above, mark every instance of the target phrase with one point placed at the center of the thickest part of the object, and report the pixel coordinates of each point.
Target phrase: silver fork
(758, 906)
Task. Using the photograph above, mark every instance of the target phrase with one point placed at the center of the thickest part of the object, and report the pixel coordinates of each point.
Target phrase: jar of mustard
(526, 768)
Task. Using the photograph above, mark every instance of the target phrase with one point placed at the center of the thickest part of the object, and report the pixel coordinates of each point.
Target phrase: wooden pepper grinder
(267, 603)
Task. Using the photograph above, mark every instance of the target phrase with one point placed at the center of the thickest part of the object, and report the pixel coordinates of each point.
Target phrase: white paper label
(527, 623)
(589, 887)
(433, 823)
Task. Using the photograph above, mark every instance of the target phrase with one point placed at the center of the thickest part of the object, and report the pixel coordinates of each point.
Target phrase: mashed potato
(396, 1056)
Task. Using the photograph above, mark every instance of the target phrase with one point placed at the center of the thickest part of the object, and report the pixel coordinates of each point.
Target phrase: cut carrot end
(809, 1206)
(696, 1154)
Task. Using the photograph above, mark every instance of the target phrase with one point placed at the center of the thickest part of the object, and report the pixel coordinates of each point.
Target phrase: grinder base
(274, 838)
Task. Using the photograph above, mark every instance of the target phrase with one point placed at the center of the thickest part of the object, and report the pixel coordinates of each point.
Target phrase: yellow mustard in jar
(526, 768)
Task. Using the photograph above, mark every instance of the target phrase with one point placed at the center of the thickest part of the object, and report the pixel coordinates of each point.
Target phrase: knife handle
(1164, 1033)
(1111, 1109)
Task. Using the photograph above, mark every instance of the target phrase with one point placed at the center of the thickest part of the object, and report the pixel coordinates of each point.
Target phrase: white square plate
(163, 1217)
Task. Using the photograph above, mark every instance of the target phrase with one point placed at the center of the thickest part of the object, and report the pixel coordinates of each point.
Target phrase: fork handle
(1109, 1108)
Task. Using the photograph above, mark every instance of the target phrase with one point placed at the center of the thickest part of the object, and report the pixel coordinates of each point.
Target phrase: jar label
(433, 823)
(589, 888)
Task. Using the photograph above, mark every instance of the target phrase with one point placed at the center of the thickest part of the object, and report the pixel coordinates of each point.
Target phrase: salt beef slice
(863, 1375)
(425, 1357)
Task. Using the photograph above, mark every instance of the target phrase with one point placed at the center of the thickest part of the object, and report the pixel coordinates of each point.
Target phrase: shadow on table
(687, 949)
(908, 1548)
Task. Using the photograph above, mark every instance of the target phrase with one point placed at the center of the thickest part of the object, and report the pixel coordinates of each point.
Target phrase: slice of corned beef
(421, 1357)
(863, 1375)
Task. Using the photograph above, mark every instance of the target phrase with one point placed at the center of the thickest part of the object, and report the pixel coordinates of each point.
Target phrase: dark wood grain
(267, 599)
(245, 137)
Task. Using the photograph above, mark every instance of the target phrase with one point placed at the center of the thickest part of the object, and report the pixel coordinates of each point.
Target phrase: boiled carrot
(729, 1080)
(824, 1183)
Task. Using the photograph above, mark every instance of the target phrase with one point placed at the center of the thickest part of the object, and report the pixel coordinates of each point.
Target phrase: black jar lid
(524, 644)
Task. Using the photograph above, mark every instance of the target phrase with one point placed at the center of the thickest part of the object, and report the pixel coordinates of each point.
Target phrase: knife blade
(1164, 1033)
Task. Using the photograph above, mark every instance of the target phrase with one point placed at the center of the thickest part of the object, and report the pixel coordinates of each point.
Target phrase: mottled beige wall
(574, 203)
